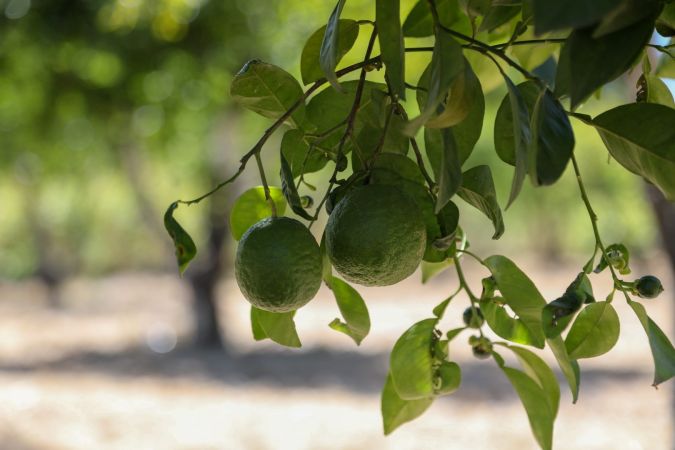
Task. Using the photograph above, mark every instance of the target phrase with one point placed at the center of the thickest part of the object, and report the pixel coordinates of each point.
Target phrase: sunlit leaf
(251, 207)
(330, 45)
(310, 64)
(478, 190)
(278, 327)
(353, 309)
(411, 363)
(388, 21)
(662, 350)
(594, 332)
(396, 411)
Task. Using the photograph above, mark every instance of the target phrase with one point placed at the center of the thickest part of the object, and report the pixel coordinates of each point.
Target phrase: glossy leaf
(353, 309)
(627, 13)
(549, 16)
(251, 207)
(503, 325)
(538, 410)
(641, 137)
(662, 350)
(568, 366)
(447, 62)
(520, 294)
(504, 134)
(478, 190)
(396, 411)
(330, 46)
(411, 363)
(278, 327)
(586, 64)
(552, 140)
(450, 172)
(289, 189)
(520, 118)
(594, 332)
(182, 242)
(388, 21)
(268, 90)
(541, 373)
(310, 60)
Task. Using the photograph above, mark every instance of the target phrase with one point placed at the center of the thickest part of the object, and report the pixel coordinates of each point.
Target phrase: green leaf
(289, 189)
(538, 409)
(520, 119)
(658, 91)
(628, 12)
(641, 137)
(269, 91)
(396, 411)
(448, 378)
(618, 256)
(419, 22)
(388, 21)
(411, 362)
(467, 132)
(457, 105)
(183, 243)
(505, 326)
(520, 294)
(278, 327)
(541, 373)
(594, 332)
(552, 140)
(326, 267)
(448, 220)
(569, 367)
(549, 16)
(559, 313)
(662, 349)
(353, 310)
(401, 165)
(665, 24)
(587, 64)
(310, 63)
(431, 269)
(251, 207)
(447, 62)
(500, 12)
(450, 174)
(301, 157)
(478, 190)
(330, 46)
(505, 136)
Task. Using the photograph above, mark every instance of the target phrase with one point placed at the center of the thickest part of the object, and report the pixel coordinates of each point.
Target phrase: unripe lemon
(278, 265)
(375, 236)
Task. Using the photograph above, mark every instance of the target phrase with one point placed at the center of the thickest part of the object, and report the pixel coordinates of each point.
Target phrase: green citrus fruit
(648, 287)
(472, 320)
(278, 265)
(375, 236)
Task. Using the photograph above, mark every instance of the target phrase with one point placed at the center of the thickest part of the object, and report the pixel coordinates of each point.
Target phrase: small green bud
(472, 320)
(306, 201)
(481, 347)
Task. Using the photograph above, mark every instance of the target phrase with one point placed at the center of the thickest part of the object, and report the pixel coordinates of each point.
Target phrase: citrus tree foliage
(392, 201)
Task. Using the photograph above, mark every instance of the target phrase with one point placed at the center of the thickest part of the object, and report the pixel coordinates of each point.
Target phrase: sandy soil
(112, 369)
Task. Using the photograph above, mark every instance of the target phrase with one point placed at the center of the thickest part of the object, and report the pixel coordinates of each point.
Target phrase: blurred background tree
(110, 110)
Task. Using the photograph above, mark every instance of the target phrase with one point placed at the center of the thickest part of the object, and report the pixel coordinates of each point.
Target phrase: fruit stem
(266, 187)
(596, 231)
(464, 285)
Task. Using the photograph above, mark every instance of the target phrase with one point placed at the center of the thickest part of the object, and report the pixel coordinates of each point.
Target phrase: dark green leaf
(396, 411)
(587, 64)
(520, 294)
(665, 24)
(448, 378)
(251, 207)
(448, 220)
(447, 62)
(289, 190)
(500, 12)
(326, 267)
(662, 349)
(478, 190)
(594, 332)
(541, 373)
(552, 140)
(278, 327)
(520, 118)
(411, 363)
(552, 15)
(353, 310)
(534, 399)
(183, 243)
(300, 155)
(401, 165)
(419, 22)
(310, 64)
(388, 20)
(450, 174)
(268, 90)
(505, 326)
(641, 137)
(330, 46)
(504, 137)
(559, 313)
(627, 13)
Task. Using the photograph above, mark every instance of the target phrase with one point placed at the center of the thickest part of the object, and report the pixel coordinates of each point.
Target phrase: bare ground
(84, 376)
